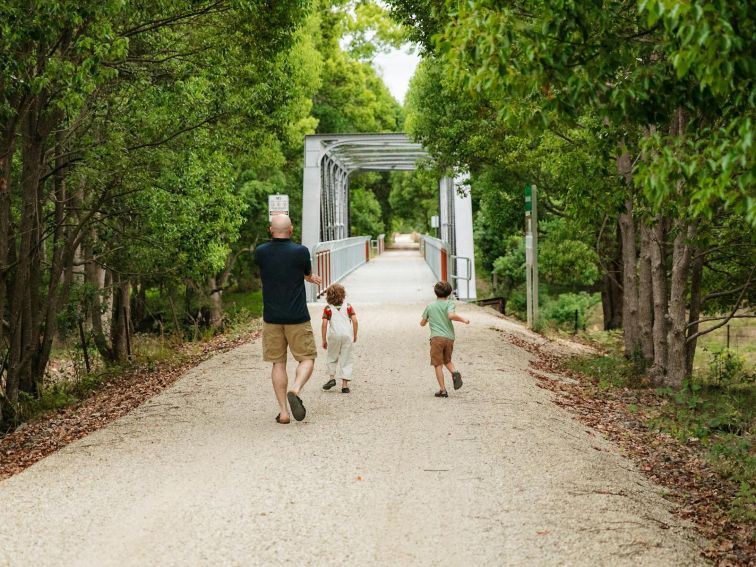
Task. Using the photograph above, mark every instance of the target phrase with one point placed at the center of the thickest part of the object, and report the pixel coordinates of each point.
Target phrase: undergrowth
(74, 383)
(716, 408)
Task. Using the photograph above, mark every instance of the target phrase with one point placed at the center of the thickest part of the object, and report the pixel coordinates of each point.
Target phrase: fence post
(444, 268)
(367, 251)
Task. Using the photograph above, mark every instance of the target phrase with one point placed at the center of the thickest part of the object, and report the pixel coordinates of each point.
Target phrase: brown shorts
(441, 350)
(298, 338)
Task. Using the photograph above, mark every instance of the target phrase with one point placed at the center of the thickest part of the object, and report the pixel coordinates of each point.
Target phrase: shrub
(728, 367)
(561, 311)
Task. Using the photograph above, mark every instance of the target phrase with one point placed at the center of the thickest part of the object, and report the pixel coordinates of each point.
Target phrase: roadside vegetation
(138, 146)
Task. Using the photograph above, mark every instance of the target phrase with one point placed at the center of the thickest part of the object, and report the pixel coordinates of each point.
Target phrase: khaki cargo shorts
(441, 350)
(298, 338)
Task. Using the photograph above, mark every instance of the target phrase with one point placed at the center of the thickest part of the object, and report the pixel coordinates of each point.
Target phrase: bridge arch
(330, 159)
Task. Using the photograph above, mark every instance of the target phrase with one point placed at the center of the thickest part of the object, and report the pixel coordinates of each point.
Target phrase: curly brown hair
(335, 294)
(442, 289)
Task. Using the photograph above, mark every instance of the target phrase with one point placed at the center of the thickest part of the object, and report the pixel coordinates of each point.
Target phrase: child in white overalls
(340, 324)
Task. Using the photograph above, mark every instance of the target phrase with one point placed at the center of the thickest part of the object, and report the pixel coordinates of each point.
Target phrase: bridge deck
(396, 276)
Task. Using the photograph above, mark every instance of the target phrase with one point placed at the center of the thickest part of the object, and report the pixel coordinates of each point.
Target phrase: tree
(632, 84)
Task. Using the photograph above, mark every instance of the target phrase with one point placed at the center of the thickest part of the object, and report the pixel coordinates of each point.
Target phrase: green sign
(528, 199)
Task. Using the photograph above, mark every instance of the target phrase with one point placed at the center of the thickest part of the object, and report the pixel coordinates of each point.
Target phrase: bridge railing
(379, 244)
(436, 253)
(333, 260)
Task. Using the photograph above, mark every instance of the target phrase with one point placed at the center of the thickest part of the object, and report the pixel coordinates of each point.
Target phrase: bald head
(280, 226)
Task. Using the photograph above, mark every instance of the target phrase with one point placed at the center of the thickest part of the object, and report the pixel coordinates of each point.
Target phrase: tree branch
(174, 135)
(725, 318)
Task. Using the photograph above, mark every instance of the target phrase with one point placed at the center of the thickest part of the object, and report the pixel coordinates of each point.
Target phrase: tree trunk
(119, 325)
(139, 304)
(611, 290)
(695, 309)
(645, 296)
(6, 154)
(661, 301)
(216, 303)
(677, 336)
(629, 262)
(26, 276)
(94, 277)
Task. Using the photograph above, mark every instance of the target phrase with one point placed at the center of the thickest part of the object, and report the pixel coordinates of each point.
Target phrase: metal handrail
(455, 277)
(333, 260)
(433, 256)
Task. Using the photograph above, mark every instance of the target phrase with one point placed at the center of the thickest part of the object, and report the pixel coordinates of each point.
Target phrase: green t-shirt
(437, 315)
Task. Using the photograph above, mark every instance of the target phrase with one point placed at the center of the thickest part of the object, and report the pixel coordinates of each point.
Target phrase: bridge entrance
(329, 161)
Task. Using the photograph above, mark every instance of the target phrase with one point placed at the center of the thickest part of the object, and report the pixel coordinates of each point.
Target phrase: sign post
(277, 205)
(531, 254)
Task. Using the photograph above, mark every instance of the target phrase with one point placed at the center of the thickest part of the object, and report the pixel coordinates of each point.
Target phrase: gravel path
(387, 475)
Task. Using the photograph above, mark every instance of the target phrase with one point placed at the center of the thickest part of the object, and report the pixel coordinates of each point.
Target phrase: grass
(249, 301)
(742, 341)
(607, 371)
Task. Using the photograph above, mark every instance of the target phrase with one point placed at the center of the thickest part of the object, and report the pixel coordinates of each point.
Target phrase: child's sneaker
(330, 384)
(457, 379)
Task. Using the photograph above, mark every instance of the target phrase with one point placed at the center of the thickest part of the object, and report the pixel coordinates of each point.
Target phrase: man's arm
(423, 322)
(309, 276)
(313, 279)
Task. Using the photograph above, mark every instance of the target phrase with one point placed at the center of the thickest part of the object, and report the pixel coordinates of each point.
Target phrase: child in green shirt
(440, 315)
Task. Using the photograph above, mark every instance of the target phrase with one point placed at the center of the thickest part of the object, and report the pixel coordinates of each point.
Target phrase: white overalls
(340, 337)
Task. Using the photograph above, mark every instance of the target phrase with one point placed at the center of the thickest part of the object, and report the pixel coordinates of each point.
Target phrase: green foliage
(563, 258)
(607, 370)
(562, 309)
(413, 200)
(510, 268)
(728, 367)
(365, 213)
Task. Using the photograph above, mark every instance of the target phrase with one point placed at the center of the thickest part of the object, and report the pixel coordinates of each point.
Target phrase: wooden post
(444, 269)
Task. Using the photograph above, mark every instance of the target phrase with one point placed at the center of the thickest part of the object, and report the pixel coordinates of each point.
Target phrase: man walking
(284, 267)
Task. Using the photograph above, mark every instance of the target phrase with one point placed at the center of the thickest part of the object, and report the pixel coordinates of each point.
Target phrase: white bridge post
(463, 228)
(311, 190)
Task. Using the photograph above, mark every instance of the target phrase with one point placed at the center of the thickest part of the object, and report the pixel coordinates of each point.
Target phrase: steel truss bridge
(329, 161)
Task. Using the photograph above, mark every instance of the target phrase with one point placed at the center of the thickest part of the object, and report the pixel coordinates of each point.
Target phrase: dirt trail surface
(386, 475)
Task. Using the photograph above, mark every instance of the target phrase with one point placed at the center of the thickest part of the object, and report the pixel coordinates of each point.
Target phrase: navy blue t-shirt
(283, 266)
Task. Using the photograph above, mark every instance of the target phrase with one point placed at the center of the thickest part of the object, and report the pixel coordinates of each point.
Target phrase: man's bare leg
(304, 371)
(280, 383)
(450, 367)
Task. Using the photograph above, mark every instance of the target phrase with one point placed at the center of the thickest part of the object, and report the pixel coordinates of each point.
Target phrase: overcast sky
(397, 68)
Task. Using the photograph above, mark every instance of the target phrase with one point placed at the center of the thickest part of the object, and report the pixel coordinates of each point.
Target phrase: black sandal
(297, 407)
(278, 420)
(441, 394)
(330, 384)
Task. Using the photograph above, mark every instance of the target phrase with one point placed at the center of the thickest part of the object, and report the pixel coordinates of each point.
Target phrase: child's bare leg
(344, 383)
(440, 377)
